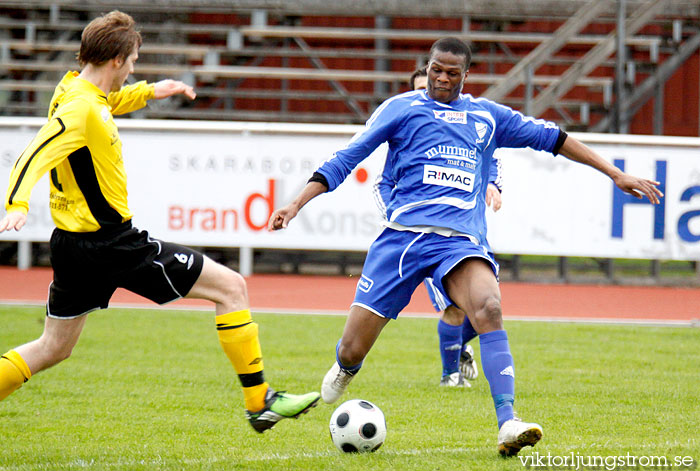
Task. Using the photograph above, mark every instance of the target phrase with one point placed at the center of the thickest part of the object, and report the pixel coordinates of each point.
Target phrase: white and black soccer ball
(358, 426)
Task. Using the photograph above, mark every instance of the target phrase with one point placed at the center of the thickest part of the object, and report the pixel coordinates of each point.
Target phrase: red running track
(333, 294)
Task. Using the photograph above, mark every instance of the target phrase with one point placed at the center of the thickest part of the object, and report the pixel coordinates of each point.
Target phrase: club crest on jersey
(105, 114)
(451, 117)
(480, 131)
(452, 177)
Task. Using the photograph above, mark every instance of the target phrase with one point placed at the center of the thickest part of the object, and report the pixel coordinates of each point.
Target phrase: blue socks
(450, 346)
(497, 363)
(468, 331)
(450, 337)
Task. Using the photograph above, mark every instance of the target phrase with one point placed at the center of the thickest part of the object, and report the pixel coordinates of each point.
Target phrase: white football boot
(455, 380)
(467, 363)
(334, 383)
(515, 434)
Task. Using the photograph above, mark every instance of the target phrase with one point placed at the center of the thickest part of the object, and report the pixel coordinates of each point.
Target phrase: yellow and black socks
(238, 335)
(14, 372)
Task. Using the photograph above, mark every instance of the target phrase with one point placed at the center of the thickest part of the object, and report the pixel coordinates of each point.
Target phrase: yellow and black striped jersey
(80, 146)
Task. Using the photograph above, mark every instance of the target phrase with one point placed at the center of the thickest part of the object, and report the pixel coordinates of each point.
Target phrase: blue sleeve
(495, 173)
(383, 186)
(513, 129)
(379, 128)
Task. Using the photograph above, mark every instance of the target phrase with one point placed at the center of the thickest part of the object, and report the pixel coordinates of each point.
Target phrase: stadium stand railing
(316, 69)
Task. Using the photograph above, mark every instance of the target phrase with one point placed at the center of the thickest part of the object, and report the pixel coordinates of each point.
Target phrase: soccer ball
(358, 426)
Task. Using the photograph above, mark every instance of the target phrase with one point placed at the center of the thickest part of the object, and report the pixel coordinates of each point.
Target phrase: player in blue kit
(455, 331)
(440, 148)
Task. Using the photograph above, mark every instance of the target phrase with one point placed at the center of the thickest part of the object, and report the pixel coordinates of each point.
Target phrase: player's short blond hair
(107, 37)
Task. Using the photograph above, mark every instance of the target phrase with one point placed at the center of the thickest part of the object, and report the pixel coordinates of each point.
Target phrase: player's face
(123, 72)
(420, 83)
(446, 74)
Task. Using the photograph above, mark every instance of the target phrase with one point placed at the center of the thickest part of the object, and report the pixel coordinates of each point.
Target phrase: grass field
(151, 390)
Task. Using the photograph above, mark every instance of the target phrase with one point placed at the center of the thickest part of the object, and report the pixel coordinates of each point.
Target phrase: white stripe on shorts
(162, 267)
(437, 295)
(404, 253)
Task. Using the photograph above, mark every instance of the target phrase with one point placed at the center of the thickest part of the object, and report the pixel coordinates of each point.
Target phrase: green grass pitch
(151, 390)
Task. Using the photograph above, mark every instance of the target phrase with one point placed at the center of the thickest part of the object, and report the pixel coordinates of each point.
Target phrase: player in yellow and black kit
(95, 249)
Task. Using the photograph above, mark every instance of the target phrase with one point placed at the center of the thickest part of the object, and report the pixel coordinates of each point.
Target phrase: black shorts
(89, 267)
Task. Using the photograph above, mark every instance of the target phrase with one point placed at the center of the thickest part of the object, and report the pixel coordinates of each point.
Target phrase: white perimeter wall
(215, 184)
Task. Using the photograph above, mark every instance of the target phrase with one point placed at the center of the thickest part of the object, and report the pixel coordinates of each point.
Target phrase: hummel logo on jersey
(444, 176)
(182, 258)
(365, 284)
(452, 117)
(416, 103)
(452, 152)
(508, 371)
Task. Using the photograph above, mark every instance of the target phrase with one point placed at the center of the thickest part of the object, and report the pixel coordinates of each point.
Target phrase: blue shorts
(398, 261)
(437, 298)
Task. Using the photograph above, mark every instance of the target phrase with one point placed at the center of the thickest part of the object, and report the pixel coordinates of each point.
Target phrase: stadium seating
(303, 61)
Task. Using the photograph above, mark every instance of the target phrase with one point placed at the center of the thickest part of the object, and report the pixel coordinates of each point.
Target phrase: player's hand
(639, 187)
(168, 87)
(13, 220)
(280, 218)
(493, 197)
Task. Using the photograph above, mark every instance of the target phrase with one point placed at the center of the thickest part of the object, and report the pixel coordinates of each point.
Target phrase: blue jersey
(385, 183)
(440, 156)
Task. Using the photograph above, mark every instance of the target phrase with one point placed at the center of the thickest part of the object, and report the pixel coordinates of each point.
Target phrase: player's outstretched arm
(281, 217)
(168, 87)
(13, 220)
(638, 187)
